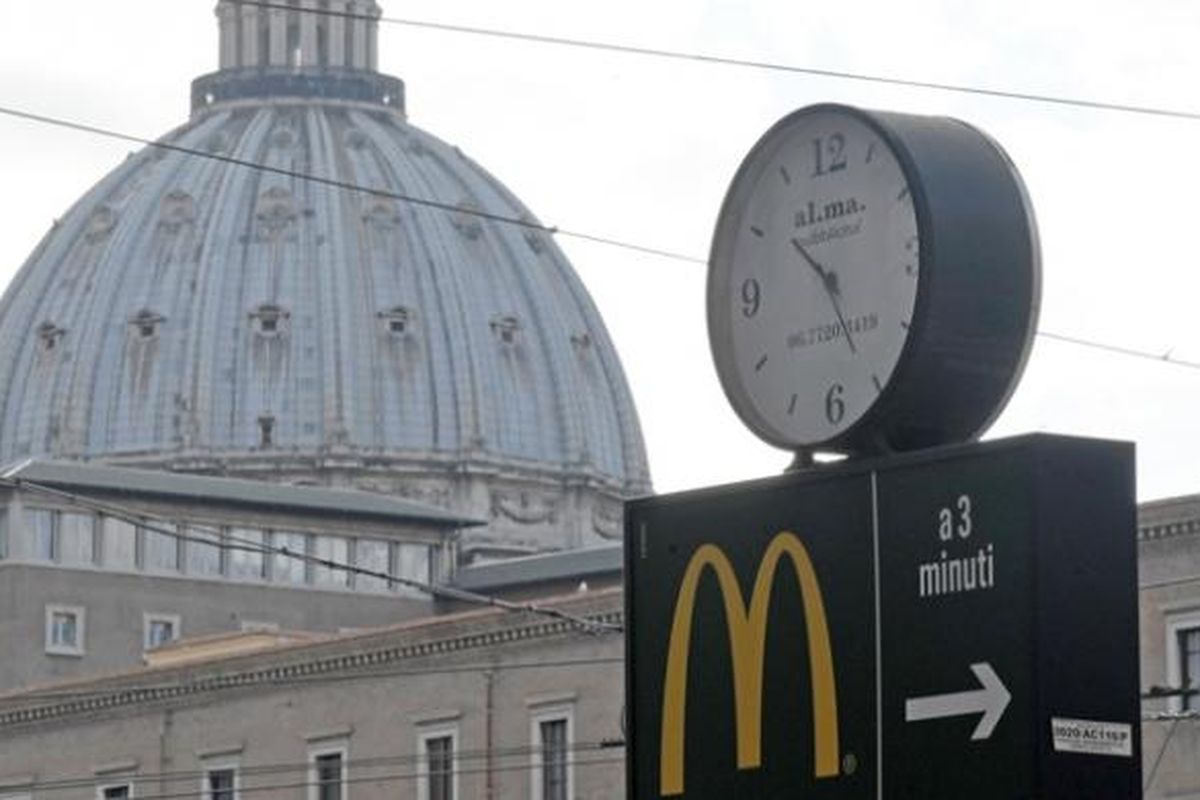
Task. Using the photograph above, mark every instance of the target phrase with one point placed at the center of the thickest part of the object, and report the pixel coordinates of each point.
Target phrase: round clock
(874, 282)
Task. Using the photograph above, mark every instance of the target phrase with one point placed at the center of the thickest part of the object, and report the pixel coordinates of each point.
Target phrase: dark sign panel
(954, 624)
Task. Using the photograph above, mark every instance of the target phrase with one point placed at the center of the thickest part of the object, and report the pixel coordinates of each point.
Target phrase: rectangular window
(1182, 662)
(220, 784)
(3, 533)
(161, 551)
(441, 563)
(372, 554)
(119, 791)
(331, 548)
(65, 630)
(412, 563)
(554, 759)
(1189, 665)
(286, 567)
(244, 550)
(39, 534)
(76, 538)
(552, 733)
(159, 629)
(203, 551)
(328, 776)
(437, 767)
(118, 543)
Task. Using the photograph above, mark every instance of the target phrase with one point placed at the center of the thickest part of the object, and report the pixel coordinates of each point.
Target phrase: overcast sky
(642, 149)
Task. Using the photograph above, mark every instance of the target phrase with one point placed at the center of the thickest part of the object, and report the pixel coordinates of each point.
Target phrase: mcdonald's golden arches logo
(747, 644)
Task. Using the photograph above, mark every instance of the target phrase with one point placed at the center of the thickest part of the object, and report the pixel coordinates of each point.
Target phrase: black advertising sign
(958, 623)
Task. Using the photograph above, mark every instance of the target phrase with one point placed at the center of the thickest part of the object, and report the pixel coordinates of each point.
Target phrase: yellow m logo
(747, 644)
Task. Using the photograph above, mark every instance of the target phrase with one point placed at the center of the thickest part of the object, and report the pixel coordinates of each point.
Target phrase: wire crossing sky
(624, 118)
(1164, 358)
(725, 61)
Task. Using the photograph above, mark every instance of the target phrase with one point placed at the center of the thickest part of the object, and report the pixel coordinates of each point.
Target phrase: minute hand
(829, 281)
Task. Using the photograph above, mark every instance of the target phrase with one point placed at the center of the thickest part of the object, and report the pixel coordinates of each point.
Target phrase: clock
(873, 283)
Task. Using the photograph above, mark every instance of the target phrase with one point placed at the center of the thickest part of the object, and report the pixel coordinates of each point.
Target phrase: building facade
(486, 700)
(487, 704)
(1169, 579)
(100, 565)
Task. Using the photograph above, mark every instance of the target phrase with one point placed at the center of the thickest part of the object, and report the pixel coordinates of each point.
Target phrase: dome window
(283, 137)
(266, 430)
(381, 212)
(101, 224)
(178, 210)
(506, 327)
(276, 211)
(533, 238)
(416, 147)
(270, 320)
(467, 220)
(49, 335)
(398, 320)
(217, 143)
(145, 324)
(533, 234)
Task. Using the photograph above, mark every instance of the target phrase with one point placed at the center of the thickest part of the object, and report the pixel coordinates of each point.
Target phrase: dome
(207, 308)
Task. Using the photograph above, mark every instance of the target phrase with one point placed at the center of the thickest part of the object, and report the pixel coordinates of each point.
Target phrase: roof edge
(235, 491)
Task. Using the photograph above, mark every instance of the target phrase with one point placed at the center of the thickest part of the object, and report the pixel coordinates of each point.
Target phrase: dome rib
(431, 229)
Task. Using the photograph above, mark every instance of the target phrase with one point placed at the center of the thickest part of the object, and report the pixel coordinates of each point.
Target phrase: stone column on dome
(308, 32)
(278, 19)
(228, 19)
(357, 57)
(337, 34)
(373, 37)
(249, 19)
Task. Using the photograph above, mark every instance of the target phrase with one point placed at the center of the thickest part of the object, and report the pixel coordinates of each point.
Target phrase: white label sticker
(1094, 738)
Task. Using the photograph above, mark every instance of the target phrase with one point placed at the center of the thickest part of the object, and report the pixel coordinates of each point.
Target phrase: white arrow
(990, 701)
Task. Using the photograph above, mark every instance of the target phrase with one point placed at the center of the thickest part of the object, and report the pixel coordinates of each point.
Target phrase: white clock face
(813, 279)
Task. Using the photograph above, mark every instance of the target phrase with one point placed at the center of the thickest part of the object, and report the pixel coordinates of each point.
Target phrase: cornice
(1168, 530)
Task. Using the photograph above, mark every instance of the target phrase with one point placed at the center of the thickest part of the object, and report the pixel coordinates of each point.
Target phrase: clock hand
(829, 281)
(828, 278)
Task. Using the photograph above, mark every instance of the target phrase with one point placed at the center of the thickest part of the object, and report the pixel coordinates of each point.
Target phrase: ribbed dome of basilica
(195, 313)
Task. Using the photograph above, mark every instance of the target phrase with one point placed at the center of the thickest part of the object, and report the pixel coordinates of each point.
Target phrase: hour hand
(830, 282)
(827, 278)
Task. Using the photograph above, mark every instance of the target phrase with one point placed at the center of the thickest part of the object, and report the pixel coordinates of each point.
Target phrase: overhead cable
(336, 183)
(679, 55)
(1162, 751)
(1166, 358)
(348, 779)
(1162, 358)
(283, 768)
